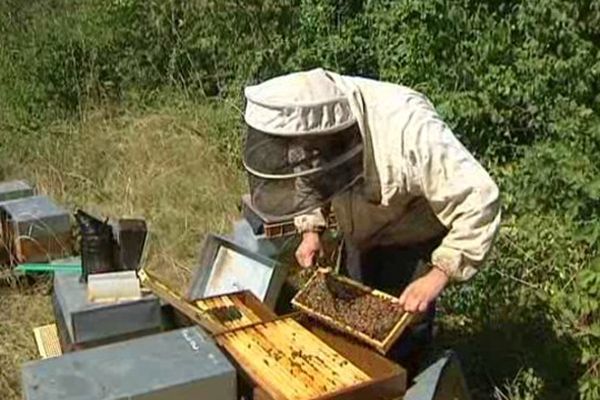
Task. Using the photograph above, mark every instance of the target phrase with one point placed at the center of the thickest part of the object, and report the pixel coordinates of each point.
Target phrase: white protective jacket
(420, 182)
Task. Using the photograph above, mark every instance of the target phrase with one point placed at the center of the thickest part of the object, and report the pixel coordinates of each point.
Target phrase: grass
(21, 310)
(158, 164)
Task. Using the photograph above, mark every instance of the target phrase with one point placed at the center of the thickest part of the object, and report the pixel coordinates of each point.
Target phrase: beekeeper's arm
(310, 226)
(463, 197)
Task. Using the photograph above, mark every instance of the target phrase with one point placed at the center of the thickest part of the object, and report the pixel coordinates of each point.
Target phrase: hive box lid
(38, 213)
(226, 267)
(183, 364)
(11, 190)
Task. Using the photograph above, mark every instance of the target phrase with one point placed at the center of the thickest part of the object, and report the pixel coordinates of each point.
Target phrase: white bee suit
(419, 181)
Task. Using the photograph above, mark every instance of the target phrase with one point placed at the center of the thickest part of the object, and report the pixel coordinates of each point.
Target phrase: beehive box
(83, 324)
(371, 316)
(235, 310)
(182, 364)
(288, 361)
(35, 229)
(202, 311)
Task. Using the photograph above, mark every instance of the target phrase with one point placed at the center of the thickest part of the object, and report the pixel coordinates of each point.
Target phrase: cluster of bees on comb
(363, 311)
(225, 313)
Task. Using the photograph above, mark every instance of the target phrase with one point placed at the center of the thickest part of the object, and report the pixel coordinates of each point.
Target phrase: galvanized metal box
(14, 190)
(35, 229)
(82, 324)
(226, 267)
(183, 364)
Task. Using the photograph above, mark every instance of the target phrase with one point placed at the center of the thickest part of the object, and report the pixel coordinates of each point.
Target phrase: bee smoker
(97, 245)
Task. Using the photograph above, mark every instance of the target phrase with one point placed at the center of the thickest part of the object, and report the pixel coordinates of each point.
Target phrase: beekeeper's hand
(309, 249)
(423, 291)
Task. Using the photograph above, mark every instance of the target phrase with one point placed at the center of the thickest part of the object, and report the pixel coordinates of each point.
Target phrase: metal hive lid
(10, 190)
(226, 267)
(32, 208)
(156, 366)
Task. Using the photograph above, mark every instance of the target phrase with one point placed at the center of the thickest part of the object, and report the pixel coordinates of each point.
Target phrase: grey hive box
(183, 364)
(82, 324)
(11, 190)
(35, 229)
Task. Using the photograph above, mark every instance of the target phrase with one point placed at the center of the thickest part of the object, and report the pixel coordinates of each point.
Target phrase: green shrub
(518, 81)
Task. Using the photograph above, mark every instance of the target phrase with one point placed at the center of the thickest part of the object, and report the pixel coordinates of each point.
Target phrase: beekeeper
(416, 209)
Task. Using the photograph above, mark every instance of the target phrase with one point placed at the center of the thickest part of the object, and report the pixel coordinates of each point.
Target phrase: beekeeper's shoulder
(391, 97)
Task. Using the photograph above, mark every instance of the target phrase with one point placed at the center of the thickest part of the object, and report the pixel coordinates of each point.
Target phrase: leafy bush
(518, 81)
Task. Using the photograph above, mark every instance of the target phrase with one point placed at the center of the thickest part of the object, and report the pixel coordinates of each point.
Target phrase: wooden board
(380, 345)
(288, 362)
(46, 339)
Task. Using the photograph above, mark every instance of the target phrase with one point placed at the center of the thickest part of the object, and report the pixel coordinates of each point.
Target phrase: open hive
(234, 310)
(371, 316)
(216, 314)
(287, 361)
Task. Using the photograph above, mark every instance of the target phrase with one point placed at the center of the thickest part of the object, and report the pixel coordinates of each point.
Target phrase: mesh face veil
(303, 145)
(293, 174)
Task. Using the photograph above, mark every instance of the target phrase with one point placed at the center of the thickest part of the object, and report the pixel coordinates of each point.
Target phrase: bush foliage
(519, 82)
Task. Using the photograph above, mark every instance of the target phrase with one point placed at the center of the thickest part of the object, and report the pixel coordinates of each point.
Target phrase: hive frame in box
(194, 312)
(387, 380)
(216, 249)
(251, 309)
(382, 346)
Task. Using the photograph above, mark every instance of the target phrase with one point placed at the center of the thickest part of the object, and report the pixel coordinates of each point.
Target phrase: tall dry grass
(157, 165)
(21, 310)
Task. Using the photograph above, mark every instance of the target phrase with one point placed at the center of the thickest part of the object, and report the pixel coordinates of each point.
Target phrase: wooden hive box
(349, 308)
(202, 311)
(288, 360)
(235, 310)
